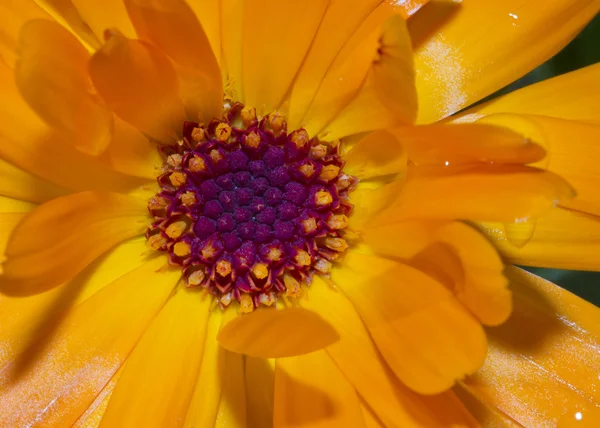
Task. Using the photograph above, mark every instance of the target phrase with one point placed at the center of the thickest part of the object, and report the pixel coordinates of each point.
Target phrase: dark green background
(582, 51)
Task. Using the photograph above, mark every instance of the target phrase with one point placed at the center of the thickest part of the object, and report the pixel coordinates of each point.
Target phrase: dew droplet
(520, 233)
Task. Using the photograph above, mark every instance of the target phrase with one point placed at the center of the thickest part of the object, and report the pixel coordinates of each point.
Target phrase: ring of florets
(249, 211)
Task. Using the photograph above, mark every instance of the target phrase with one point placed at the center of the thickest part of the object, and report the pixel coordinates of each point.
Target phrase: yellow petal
(12, 17)
(232, 17)
(208, 13)
(560, 239)
(388, 97)
(378, 154)
(44, 250)
(52, 76)
(10, 205)
(26, 142)
(483, 193)
(466, 143)
(139, 84)
(260, 391)
(232, 406)
(112, 14)
(567, 96)
(276, 37)
(171, 349)
(92, 417)
(310, 391)
(413, 319)
(61, 374)
(459, 62)
(357, 357)
(16, 183)
(550, 346)
(66, 14)
(173, 27)
(572, 147)
(346, 74)
(204, 407)
(296, 332)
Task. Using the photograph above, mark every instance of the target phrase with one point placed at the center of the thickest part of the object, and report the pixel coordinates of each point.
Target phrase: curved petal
(460, 144)
(171, 348)
(559, 239)
(310, 391)
(567, 96)
(93, 415)
(231, 411)
(44, 250)
(174, 28)
(66, 14)
(357, 357)
(12, 18)
(482, 193)
(16, 183)
(52, 76)
(208, 13)
(378, 154)
(61, 374)
(460, 62)
(276, 37)
(112, 14)
(259, 376)
(388, 96)
(551, 346)
(413, 319)
(139, 84)
(573, 149)
(298, 332)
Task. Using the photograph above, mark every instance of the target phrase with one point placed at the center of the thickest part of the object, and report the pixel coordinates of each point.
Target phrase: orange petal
(388, 97)
(413, 319)
(298, 332)
(310, 391)
(347, 72)
(139, 84)
(232, 405)
(572, 147)
(16, 183)
(44, 250)
(259, 375)
(232, 17)
(61, 374)
(92, 417)
(171, 348)
(560, 239)
(378, 154)
(173, 27)
(542, 366)
(112, 14)
(357, 357)
(458, 62)
(208, 13)
(465, 144)
(276, 37)
(483, 193)
(66, 14)
(52, 76)
(567, 96)
(12, 18)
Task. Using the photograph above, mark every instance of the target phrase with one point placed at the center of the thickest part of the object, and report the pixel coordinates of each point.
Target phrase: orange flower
(311, 257)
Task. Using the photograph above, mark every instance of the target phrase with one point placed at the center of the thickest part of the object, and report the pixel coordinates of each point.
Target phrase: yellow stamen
(177, 179)
(176, 229)
(318, 152)
(343, 182)
(226, 299)
(292, 286)
(157, 203)
(274, 254)
(246, 304)
(307, 170)
(299, 138)
(197, 164)
(337, 221)
(188, 198)
(329, 172)
(223, 132)
(303, 258)
(309, 225)
(267, 299)
(195, 278)
(248, 116)
(252, 140)
(323, 198)
(260, 270)
(174, 160)
(337, 244)
(223, 268)
(276, 122)
(215, 155)
(182, 249)
(209, 251)
(158, 242)
(323, 266)
(198, 135)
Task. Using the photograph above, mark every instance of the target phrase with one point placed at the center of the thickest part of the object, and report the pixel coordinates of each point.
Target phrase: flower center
(249, 211)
